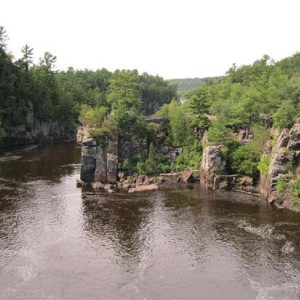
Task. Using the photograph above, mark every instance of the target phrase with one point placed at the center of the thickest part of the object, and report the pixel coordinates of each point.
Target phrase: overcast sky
(172, 38)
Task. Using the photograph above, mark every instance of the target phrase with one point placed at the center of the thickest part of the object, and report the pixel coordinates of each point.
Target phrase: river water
(59, 242)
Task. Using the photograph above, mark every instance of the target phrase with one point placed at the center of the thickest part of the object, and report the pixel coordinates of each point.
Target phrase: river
(59, 242)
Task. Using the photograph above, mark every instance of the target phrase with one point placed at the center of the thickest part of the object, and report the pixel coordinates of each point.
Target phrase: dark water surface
(57, 242)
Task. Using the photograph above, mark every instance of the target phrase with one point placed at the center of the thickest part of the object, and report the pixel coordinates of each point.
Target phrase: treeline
(264, 94)
(38, 91)
(187, 85)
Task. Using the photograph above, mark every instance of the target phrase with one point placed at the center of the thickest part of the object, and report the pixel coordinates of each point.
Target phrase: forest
(60, 96)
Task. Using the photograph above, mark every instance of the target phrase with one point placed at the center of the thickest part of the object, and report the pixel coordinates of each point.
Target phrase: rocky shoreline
(100, 160)
(141, 183)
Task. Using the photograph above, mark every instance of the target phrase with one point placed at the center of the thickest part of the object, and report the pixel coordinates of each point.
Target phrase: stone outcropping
(99, 158)
(212, 165)
(37, 133)
(283, 157)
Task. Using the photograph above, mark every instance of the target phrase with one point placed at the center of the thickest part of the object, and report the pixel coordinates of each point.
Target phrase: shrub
(150, 166)
(244, 161)
(296, 186)
(280, 186)
(263, 165)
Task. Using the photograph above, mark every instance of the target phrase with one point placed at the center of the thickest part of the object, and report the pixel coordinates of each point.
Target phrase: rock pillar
(212, 165)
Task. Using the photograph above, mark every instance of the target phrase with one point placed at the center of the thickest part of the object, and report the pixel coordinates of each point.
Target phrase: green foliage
(2, 131)
(150, 166)
(189, 84)
(93, 116)
(244, 161)
(190, 158)
(295, 203)
(199, 105)
(218, 133)
(180, 129)
(296, 187)
(124, 90)
(53, 96)
(178, 124)
(261, 135)
(285, 115)
(281, 186)
(155, 92)
(263, 165)
(245, 93)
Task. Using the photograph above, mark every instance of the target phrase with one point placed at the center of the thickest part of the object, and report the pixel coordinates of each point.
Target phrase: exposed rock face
(37, 133)
(88, 162)
(294, 142)
(99, 159)
(283, 156)
(245, 135)
(101, 164)
(212, 165)
(112, 167)
(136, 145)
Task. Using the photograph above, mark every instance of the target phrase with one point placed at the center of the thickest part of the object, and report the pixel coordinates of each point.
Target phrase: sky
(171, 38)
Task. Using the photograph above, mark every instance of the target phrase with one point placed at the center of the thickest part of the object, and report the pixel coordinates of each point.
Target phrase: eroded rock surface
(212, 165)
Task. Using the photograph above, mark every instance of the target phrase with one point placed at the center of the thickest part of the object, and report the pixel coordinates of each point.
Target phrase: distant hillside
(189, 84)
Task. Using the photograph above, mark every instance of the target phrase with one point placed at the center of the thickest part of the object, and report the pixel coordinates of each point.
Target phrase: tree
(27, 56)
(3, 38)
(199, 105)
(48, 61)
(124, 90)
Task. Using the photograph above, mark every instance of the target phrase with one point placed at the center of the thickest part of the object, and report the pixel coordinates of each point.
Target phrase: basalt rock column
(88, 156)
(101, 162)
(112, 160)
(212, 165)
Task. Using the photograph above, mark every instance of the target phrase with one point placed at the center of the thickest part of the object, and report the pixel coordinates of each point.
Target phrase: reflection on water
(58, 242)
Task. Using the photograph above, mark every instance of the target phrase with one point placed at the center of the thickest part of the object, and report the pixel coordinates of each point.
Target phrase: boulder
(165, 149)
(108, 187)
(97, 185)
(79, 182)
(142, 188)
(246, 181)
(188, 177)
(140, 180)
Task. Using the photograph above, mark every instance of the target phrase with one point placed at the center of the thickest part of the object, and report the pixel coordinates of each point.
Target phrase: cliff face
(284, 158)
(212, 165)
(283, 155)
(99, 159)
(37, 133)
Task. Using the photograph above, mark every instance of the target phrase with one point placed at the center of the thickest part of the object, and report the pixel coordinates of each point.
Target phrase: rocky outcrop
(37, 133)
(99, 158)
(294, 141)
(212, 165)
(284, 155)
